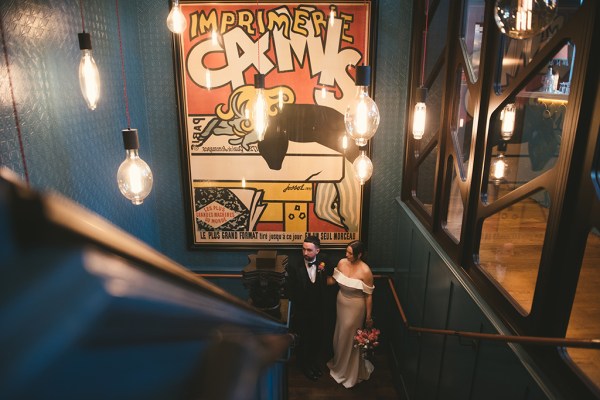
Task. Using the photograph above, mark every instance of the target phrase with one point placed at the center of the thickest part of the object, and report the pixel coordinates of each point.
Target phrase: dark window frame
(573, 183)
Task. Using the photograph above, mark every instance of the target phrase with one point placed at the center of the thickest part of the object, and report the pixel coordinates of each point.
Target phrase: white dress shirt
(312, 271)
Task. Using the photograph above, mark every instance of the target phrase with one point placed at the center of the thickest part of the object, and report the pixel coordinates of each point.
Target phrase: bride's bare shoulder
(367, 275)
(342, 265)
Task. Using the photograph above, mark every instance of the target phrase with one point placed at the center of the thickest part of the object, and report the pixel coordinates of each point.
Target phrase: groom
(311, 311)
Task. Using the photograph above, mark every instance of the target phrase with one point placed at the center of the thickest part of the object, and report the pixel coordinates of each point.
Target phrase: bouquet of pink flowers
(366, 339)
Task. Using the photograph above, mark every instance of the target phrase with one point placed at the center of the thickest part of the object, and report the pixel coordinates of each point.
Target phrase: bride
(354, 306)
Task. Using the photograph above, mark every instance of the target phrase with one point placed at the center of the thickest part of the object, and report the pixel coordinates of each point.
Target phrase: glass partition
(525, 132)
(436, 35)
(456, 210)
(426, 180)
(516, 54)
(511, 244)
(472, 33)
(584, 322)
(461, 127)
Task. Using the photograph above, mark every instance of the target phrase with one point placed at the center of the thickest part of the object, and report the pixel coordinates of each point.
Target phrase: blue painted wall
(77, 152)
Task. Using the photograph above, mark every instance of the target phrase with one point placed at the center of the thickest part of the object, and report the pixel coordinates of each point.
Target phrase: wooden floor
(379, 387)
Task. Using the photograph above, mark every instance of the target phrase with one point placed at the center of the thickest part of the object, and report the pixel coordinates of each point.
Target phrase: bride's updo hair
(358, 247)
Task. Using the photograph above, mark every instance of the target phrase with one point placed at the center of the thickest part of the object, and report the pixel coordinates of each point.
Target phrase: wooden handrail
(535, 340)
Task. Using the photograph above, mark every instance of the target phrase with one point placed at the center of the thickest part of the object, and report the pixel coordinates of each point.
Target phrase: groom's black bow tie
(310, 264)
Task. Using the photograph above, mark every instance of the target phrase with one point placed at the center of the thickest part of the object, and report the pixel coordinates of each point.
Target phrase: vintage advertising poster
(245, 192)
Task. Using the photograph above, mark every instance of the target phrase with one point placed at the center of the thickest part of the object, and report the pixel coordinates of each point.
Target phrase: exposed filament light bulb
(89, 77)
(208, 82)
(508, 121)
(280, 99)
(176, 20)
(522, 19)
(259, 108)
(134, 176)
(498, 170)
(363, 168)
(362, 114)
(420, 114)
(331, 15)
(345, 142)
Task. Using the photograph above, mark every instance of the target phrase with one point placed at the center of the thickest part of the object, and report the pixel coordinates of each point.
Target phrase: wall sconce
(363, 168)
(508, 121)
(134, 176)
(176, 20)
(362, 114)
(420, 114)
(522, 19)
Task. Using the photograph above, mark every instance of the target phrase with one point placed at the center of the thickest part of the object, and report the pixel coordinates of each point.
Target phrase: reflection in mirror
(471, 33)
(516, 54)
(511, 244)
(525, 132)
(426, 179)
(455, 208)
(434, 109)
(584, 322)
(462, 123)
(436, 35)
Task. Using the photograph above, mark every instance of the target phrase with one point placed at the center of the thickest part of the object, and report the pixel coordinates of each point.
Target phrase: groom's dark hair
(314, 240)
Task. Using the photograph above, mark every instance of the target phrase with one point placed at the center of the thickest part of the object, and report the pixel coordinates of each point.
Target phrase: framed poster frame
(244, 193)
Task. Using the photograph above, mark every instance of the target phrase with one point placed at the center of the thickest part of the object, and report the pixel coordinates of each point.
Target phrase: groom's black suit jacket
(313, 304)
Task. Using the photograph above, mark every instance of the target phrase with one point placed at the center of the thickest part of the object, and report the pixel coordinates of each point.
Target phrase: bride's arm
(330, 279)
(369, 317)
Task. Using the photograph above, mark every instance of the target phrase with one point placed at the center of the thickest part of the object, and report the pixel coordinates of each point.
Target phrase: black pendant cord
(14, 103)
(425, 43)
(81, 12)
(258, 36)
(123, 67)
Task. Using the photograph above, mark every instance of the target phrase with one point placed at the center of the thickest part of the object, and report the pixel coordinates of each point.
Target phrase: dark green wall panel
(436, 294)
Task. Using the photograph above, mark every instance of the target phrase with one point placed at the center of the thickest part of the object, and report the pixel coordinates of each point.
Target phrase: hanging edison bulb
(89, 77)
(362, 114)
(134, 176)
(331, 15)
(508, 121)
(259, 108)
(522, 19)
(498, 170)
(363, 168)
(207, 79)
(420, 114)
(280, 99)
(176, 20)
